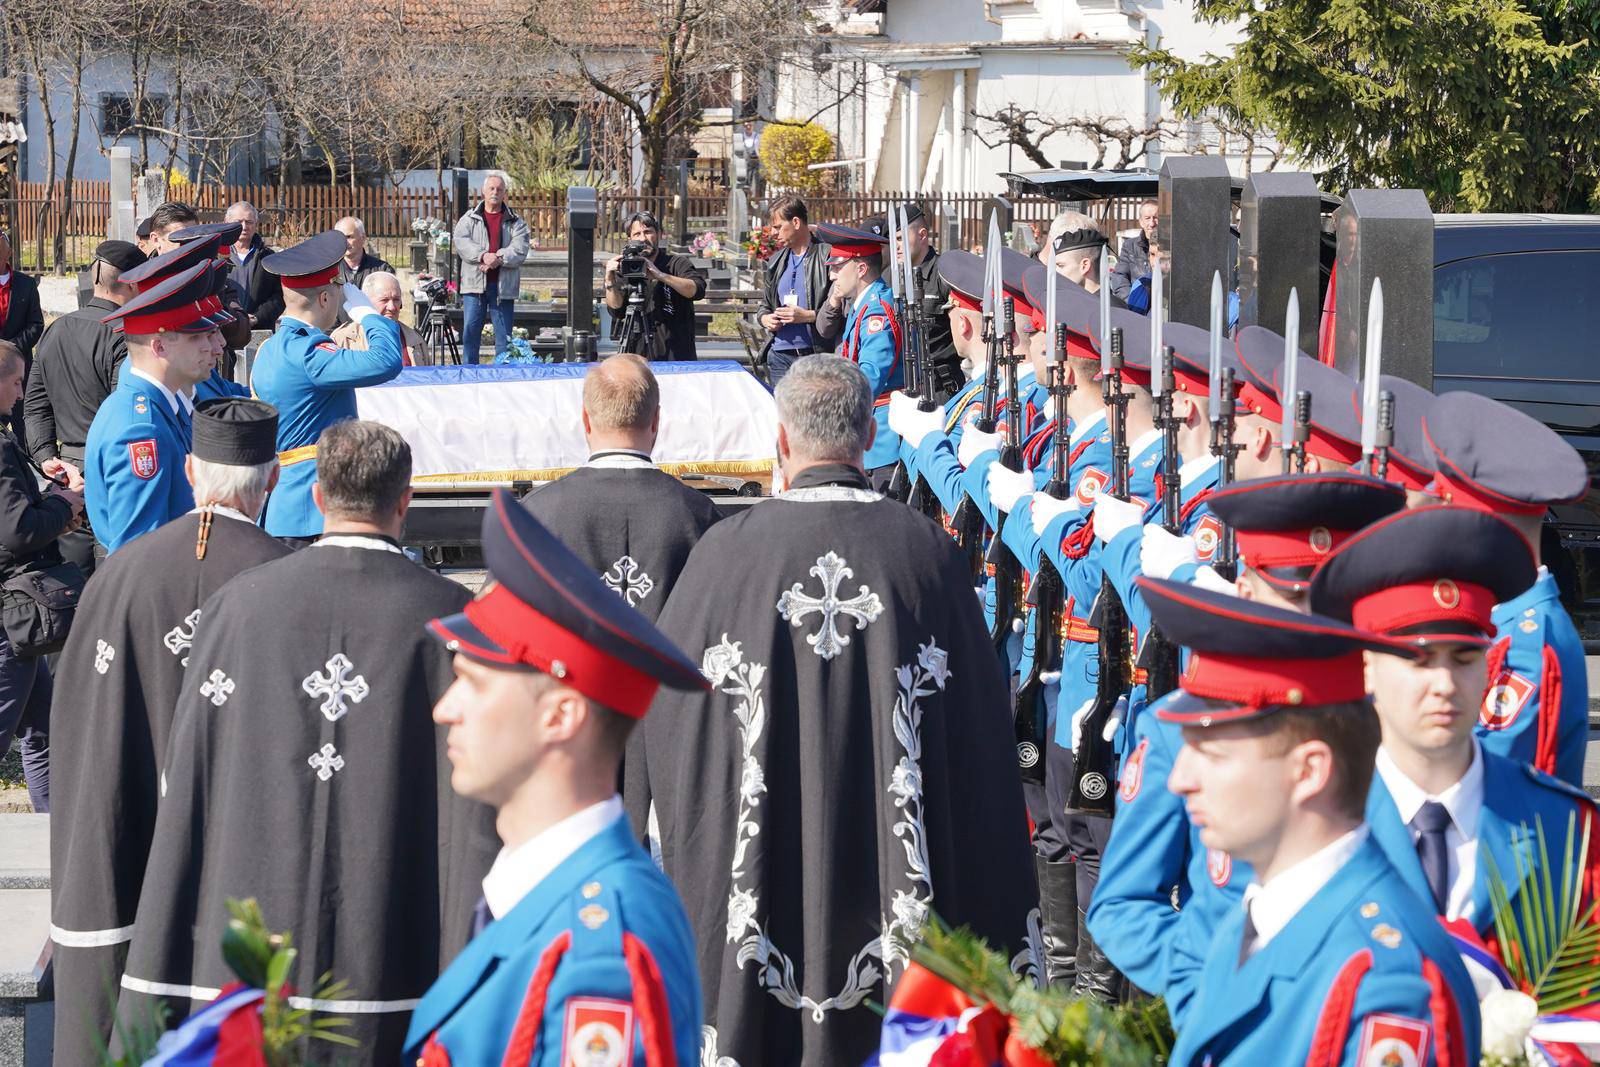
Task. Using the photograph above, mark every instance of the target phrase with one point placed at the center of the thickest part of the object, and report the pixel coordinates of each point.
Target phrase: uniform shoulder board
(596, 919)
(1550, 781)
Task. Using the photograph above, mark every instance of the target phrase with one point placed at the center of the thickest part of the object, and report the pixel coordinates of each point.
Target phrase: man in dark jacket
(1133, 260)
(75, 370)
(21, 321)
(31, 521)
(795, 288)
(261, 291)
(357, 263)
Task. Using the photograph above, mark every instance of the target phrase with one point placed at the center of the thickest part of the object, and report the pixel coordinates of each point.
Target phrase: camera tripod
(637, 327)
(439, 334)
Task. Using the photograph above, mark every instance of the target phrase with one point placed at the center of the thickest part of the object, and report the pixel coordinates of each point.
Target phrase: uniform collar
(861, 297)
(1544, 588)
(1194, 469)
(619, 458)
(517, 871)
(172, 398)
(1144, 441)
(371, 542)
(1463, 800)
(1273, 905)
(1080, 430)
(839, 474)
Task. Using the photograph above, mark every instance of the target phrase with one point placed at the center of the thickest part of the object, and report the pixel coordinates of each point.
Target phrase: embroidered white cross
(103, 655)
(326, 760)
(629, 580)
(218, 687)
(335, 686)
(795, 605)
(180, 638)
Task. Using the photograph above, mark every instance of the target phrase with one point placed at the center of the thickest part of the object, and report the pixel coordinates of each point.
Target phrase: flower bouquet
(761, 243)
(708, 244)
(1542, 968)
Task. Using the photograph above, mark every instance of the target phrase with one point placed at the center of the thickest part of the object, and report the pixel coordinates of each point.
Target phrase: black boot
(1097, 977)
(1059, 918)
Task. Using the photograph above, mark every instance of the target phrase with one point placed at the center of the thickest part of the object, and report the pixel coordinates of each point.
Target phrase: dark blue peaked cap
(1288, 524)
(548, 610)
(1411, 461)
(226, 233)
(1335, 425)
(1494, 458)
(168, 264)
(310, 263)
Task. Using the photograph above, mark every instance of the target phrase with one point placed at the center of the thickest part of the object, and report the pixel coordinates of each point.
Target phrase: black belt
(796, 351)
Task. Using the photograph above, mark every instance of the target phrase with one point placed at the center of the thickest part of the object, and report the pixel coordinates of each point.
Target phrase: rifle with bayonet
(1295, 404)
(1094, 768)
(1007, 571)
(1377, 403)
(899, 487)
(920, 382)
(968, 520)
(1223, 425)
(1046, 597)
(1160, 654)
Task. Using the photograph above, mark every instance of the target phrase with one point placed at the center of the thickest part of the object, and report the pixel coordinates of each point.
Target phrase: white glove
(974, 443)
(1206, 578)
(1112, 516)
(910, 422)
(1046, 508)
(1113, 722)
(1162, 553)
(356, 304)
(1077, 724)
(1007, 486)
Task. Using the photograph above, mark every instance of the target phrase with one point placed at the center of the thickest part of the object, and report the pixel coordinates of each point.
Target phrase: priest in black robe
(304, 770)
(853, 769)
(632, 522)
(116, 687)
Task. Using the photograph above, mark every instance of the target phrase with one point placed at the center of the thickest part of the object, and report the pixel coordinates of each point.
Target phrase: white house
(907, 77)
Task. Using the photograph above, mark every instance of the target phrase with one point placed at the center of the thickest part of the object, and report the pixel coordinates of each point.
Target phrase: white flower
(741, 914)
(906, 781)
(752, 783)
(910, 911)
(720, 660)
(934, 660)
(1508, 1015)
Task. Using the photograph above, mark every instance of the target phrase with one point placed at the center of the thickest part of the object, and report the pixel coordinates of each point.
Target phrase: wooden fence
(289, 213)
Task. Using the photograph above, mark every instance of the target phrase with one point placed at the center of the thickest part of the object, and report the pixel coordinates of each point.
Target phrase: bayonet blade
(1105, 311)
(896, 283)
(1050, 280)
(1215, 374)
(905, 256)
(1158, 353)
(1291, 367)
(1372, 370)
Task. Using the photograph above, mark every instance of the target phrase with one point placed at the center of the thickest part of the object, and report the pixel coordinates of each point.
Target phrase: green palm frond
(1549, 939)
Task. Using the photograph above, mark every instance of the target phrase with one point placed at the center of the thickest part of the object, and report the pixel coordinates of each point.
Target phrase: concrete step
(24, 851)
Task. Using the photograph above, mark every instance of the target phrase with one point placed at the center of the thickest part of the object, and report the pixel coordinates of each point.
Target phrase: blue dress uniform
(1494, 458)
(871, 338)
(1360, 972)
(312, 381)
(133, 457)
(594, 963)
(1284, 527)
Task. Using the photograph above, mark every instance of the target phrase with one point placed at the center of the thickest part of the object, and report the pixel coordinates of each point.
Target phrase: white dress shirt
(1464, 802)
(1270, 907)
(517, 871)
(1194, 468)
(1083, 428)
(619, 459)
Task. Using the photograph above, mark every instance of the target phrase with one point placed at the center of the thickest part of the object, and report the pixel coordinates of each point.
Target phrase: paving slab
(24, 851)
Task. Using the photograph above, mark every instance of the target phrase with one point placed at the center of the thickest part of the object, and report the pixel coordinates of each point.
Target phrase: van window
(1524, 314)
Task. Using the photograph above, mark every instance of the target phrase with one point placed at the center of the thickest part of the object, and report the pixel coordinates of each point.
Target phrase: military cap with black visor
(1493, 457)
(158, 268)
(549, 611)
(1334, 432)
(175, 304)
(1428, 574)
(1248, 659)
(845, 242)
(1287, 526)
(227, 234)
(310, 264)
(1411, 461)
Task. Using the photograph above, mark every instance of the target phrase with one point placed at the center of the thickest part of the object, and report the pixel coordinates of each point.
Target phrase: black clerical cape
(634, 524)
(115, 689)
(304, 770)
(852, 770)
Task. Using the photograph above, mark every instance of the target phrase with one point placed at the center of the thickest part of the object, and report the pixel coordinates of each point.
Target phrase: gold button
(558, 669)
(1296, 697)
(591, 890)
(451, 646)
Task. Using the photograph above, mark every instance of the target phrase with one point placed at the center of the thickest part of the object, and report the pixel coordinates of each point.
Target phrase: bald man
(628, 519)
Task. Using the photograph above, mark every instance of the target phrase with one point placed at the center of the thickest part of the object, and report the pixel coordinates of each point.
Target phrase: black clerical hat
(226, 233)
(235, 430)
(548, 609)
(1248, 659)
(1289, 524)
(311, 263)
(159, 268)
(1494, 458)
(1335, 430)
(1432, 572)
(175, 304)
(123, 255)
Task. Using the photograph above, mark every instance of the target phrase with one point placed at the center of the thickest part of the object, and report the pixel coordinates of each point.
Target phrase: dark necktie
(481, 916)
(1433, 820)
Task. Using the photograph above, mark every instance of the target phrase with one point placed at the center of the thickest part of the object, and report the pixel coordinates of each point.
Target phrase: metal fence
(288, 213)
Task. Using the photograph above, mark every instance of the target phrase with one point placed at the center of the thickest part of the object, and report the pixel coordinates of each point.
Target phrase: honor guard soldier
(588, 957)
(1494, 458)
(1332, 959)
(235, 332)
(309, 379)
(1284, 526)
(133, 462)
(1444, 803)
(871, 338)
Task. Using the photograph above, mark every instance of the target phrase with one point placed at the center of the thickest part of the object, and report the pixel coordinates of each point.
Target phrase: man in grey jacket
(1133, 259)
(492, 242)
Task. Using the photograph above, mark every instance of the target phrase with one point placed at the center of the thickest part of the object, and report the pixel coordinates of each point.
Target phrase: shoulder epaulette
(1550, 781)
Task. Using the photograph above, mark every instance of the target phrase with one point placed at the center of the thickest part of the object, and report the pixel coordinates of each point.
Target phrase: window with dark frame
(116, 113)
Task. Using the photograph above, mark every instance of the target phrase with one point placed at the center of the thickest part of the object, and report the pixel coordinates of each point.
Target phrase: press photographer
(651, 294)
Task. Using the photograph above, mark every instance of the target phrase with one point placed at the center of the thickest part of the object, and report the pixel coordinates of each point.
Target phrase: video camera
(636, 256)
(436, 291)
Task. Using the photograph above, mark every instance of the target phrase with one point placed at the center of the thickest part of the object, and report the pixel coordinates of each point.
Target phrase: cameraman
(673, 284)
